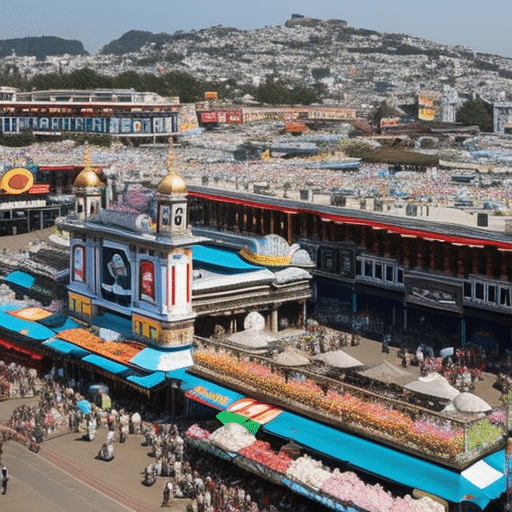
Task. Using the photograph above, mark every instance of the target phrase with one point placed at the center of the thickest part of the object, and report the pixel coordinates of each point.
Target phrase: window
(467, 290)
(400, 276)
(491, 294)
(378, 271)
(368, 268)
(479, 291)
(505, 297)
(358, 268)
(389, 273)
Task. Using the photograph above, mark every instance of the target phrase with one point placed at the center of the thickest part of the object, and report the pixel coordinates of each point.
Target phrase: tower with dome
(128, 272)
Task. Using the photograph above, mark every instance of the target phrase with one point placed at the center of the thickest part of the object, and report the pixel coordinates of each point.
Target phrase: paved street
(66, 476)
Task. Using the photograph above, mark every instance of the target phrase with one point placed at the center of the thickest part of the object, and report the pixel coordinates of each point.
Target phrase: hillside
(41, 47)
(346, 65)
(133, 41)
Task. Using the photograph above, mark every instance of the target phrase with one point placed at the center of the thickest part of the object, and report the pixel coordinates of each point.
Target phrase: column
(289, 238)
(446, 258)
(274, 324)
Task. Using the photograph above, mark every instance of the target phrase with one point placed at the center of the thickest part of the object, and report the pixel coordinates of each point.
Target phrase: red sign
(147, 280)
(209, 117)
(42, 188)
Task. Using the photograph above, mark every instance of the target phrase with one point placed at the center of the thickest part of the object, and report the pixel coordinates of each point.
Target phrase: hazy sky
(482, 25)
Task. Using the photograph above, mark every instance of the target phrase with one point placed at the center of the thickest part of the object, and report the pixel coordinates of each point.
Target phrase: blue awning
(394, 465)
(163, 360)
(20, 278)
(67, 348)
(106, 364)
(114, 322)
(204, 391)
(147, 381)
(26, 328)
(230, 261)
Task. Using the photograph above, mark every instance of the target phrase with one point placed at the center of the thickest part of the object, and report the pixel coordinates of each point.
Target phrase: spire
(173, 183)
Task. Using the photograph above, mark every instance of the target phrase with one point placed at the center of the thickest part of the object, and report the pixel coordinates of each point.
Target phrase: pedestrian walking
(5, 479)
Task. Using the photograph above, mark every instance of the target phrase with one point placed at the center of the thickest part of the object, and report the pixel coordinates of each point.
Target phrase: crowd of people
(210, 484)
(435, 186)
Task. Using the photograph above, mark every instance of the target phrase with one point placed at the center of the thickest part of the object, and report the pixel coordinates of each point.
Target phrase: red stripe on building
(188, 282)
(173, 286)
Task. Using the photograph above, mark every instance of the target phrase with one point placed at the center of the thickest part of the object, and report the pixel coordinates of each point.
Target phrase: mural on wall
(116, 281)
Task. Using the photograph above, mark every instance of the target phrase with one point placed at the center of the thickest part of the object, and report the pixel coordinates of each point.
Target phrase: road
(47, 488)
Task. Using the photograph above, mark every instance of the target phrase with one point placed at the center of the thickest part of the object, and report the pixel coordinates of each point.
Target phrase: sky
(483, 26)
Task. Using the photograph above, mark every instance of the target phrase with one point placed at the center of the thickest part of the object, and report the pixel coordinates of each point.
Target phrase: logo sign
(255, 410)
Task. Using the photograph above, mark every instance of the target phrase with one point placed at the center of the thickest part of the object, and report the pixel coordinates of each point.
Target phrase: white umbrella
(388, 373)
(467, 402)
(433, 385)
(339, 359)
(291, 357)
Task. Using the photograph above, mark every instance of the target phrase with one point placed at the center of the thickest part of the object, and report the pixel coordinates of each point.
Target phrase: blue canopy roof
(148, 381)
(20, 278)
(114, 322)
(224, 259)
(205, 391)
(388, 463)
(106, 364)
(67, 348)
(26, 328)
(163, 360)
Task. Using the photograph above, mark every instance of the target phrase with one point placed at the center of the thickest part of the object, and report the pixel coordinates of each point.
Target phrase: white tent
(338, 359)
(467, 402)
(291, 357)
(434, 385)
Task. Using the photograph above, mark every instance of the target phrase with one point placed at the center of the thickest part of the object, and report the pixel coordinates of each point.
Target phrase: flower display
(483, 434)
(232, 437)
(308, 471)
(196, 432)
(261, 452)
(118, 351)
(374, 417)
(348, 488)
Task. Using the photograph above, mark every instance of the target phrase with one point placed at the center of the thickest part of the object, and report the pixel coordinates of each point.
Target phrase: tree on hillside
(476, 113)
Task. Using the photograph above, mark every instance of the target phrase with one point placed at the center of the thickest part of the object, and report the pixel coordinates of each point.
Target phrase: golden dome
(173, 183)
(87, 177)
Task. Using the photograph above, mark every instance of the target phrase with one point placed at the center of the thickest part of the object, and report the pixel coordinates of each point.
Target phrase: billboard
(147, 280)
(116, 275)
(429, 104)
(79, 263)
(435, 293)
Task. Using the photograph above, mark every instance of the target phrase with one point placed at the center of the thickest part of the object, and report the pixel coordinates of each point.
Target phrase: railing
(440, 437)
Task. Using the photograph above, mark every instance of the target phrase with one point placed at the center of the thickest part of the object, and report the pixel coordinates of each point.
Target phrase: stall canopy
(163, 360)
(433, 385)
(114, 322)
(147, 381)
(106, 364)
(479, 483)
(66, 348)
(26, 328)
(204, 391)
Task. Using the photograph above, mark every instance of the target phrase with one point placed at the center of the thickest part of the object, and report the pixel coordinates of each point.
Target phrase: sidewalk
(120, 479)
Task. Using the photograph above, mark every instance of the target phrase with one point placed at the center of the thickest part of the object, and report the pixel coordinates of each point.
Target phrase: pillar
(274, 323)
(446, 258)
(289, 237)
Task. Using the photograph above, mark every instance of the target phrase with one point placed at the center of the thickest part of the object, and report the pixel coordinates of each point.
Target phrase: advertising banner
(147, 280)
(433, 293)
(79, 263)
(116, 278)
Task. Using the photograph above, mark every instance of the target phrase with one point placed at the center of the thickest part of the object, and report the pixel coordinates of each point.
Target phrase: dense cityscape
(231, 304)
